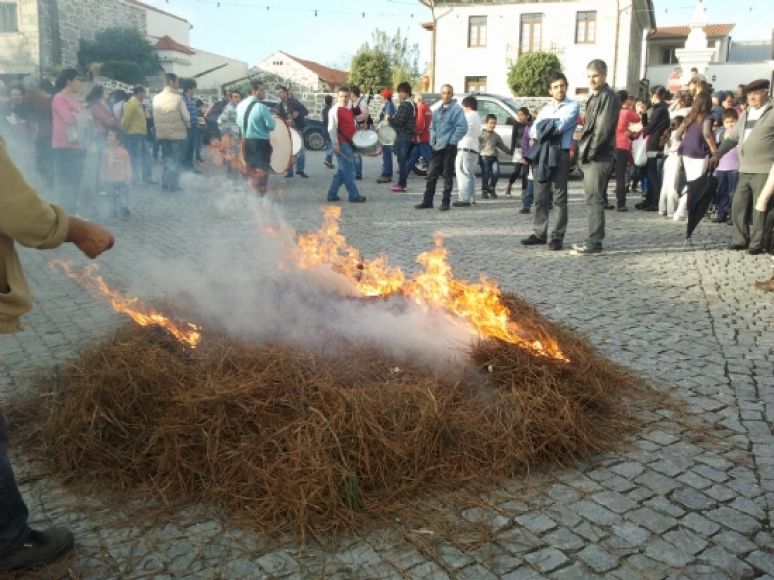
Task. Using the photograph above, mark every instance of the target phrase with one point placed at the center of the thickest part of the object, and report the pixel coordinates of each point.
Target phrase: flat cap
(757, 85)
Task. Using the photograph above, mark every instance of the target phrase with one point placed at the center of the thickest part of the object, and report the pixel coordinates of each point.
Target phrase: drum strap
(247, 115)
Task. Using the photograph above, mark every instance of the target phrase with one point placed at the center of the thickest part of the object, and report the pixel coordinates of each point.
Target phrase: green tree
(370, 68)
(403, 56)
(528, 76)
(120, 44)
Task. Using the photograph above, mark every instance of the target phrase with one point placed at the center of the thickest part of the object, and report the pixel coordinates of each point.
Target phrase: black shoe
(555, 245)
(737, 247)
(650, 208)
(641, 205)
(524, 210)
(384, 179)
(609, 207)
(755, 251)
(328, 164)
(359, 178)
(444, 207)
(461, 203)
(332, 199)
(532, 240)
(718, 220)
(492, 194)
(423, 206)
(484, 194)
(584, 250)
(360, 199)
(40, 549)
(622, 208)
(302, 174)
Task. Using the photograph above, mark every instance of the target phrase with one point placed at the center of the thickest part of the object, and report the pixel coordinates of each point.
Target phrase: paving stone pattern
(675, 501)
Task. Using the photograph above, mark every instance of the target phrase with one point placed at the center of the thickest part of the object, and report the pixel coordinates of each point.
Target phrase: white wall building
(475, 43)
(304, 72)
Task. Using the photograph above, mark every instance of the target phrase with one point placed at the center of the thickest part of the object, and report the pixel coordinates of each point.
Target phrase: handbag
(639, 151)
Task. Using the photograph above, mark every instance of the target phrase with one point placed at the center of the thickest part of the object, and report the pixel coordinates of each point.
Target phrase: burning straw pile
(296, 440)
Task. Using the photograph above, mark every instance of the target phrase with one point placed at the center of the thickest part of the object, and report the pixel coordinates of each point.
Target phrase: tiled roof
(329, 75)
(167, 43)
(711, 30)
(149, 7)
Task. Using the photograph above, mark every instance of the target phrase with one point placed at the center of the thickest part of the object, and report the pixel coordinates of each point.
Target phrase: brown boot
(766, 285)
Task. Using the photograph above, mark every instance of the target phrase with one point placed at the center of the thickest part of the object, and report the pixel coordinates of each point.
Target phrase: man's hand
(90, 238)
(712, 163)
(336, 149)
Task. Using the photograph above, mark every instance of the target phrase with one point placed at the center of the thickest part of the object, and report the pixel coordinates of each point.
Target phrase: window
(531, 33)
(668, 56)
(489, 108)
(475, 84)
(476, 31)
(8, 17)
(586, 27)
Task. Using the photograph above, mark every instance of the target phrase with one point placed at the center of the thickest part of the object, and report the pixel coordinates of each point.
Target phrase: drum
(297, 140)
(281, 147)
(386, 134)
(366, 142)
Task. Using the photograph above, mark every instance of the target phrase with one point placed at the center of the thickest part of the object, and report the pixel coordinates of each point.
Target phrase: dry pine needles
(315, 443)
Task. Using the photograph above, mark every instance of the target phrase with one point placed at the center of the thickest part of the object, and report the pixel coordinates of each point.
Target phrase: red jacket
(626, 116)
(422, 127)
(347, 126)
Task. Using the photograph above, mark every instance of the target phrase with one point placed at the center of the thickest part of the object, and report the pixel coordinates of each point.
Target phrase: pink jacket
(626, 116)
(63, 109)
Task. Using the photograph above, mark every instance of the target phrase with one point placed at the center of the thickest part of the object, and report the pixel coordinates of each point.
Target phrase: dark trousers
(13, 511)
(441, 164)
(725, 192)
(173, 151)
(748, 224)
(653, 173)
(621, 165)
(490, 172)
(402, 146)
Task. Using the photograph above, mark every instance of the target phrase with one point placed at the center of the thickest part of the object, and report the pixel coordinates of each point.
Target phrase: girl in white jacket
(668, 200)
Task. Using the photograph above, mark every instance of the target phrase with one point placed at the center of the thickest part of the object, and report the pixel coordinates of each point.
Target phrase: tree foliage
(528, 76)
(120, 44)
(370, 68)
(125, 71)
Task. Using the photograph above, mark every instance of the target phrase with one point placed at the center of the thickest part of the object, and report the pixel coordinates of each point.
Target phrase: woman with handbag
(67, 138)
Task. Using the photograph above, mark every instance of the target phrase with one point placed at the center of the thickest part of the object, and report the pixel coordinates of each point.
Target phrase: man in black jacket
(654, 130)
(596, 151)
(403, 122)
(294, 113)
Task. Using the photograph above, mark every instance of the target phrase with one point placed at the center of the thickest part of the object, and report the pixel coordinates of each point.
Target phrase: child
(668, 199)
(489, 142)
(116, 173)
(727, 172)
(520, 169)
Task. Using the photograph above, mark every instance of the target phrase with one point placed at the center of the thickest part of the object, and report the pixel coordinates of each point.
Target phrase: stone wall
(63, 23)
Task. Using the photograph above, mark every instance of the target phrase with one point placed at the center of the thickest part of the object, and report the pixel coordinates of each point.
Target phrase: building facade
(475, 42)
(304, 72)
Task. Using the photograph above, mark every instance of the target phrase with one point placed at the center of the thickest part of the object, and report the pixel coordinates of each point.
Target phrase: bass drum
(386, 135)
(281, 147)
(366, 142)
(297, 141)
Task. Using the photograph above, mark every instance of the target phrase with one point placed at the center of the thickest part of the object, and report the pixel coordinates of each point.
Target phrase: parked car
(504, 108)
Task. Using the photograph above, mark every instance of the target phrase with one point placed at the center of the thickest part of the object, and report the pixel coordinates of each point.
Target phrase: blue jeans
(345, 173)
(420, 149)
(300, 163)
(137, 148)
(402, 146)
(529, 195)
(328, 150)
(490, 172)
(725, 192)
(13, 511)
(357, 161)
(387, 161)
(173, 151)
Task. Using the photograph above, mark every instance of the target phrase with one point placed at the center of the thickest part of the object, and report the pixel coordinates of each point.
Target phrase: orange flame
(476, 305)
(187, 332)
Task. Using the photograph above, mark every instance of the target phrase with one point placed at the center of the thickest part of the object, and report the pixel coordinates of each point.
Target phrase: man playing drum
(256, 122)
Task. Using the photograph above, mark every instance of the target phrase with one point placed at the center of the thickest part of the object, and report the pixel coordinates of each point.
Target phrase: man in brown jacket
(596, 152)
(32, 222)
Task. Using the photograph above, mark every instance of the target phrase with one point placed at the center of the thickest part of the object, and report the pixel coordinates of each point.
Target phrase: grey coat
(756, 154)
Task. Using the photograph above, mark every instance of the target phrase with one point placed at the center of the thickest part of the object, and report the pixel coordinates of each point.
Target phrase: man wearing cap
(754, 134)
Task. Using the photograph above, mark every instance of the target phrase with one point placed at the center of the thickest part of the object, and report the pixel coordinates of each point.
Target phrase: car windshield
(512, 103)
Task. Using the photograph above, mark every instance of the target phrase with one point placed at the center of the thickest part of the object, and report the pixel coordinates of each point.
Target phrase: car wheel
(314, 140)
(420, 167)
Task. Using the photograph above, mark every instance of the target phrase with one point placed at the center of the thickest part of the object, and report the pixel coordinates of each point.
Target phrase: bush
(528, 76)
(123, 70)
(120, 44)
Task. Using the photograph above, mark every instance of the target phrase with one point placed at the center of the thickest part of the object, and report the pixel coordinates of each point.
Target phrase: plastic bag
(639, 151)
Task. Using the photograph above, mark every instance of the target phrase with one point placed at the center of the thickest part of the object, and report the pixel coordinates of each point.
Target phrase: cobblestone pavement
(675, 502)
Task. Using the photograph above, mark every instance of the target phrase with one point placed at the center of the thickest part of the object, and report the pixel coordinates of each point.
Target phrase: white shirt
(470, 140)
(752, 115)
